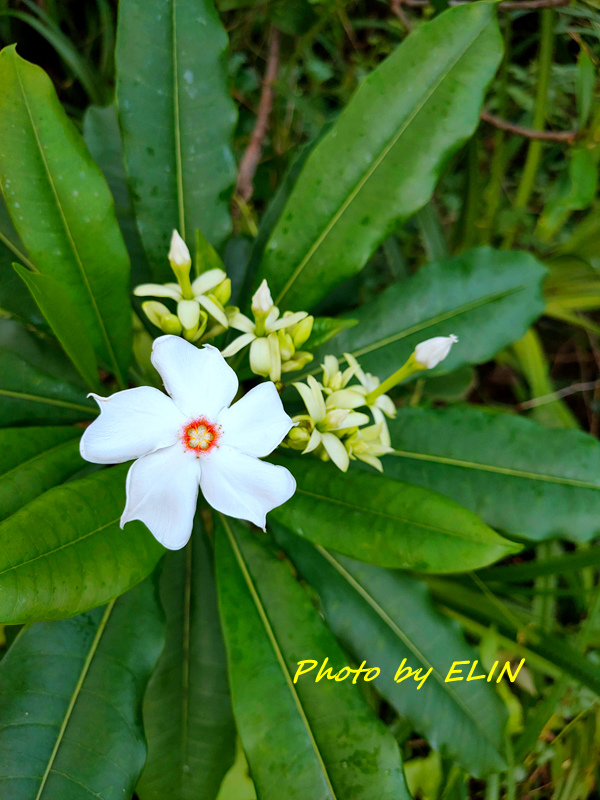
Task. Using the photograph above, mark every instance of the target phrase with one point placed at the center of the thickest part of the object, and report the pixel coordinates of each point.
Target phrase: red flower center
(201, 435)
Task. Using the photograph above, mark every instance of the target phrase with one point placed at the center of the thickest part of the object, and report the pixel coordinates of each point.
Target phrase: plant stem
(535, 145)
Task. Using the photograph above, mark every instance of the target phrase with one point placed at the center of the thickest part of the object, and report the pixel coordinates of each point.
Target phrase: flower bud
(431, 352)
(286, 345)
(181, 263)
(179, 255)
(260, 357)
(298, 362)
(222, 292)
(262, 302)
(302, 331)
(159, 315)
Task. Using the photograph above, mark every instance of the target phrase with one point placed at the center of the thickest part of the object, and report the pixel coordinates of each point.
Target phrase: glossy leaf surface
(187, 709)
(316, 739)
(380, 161)
(385, 617)
(378, 520)
(177, 118)
(529, 481)
(488, 298)
(47, 173)
(33, 461)
(64, 552)
(70, 716)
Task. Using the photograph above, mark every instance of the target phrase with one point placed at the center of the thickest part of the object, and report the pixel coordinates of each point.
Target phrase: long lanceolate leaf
(188, 718)
(62, 208)
(384, 617)
(308, 739)
(379, 163)
(529, 481)
(70, 702)
(64, 552)
(177, 120)
(488, 298)
(385, 522)
(32, 462)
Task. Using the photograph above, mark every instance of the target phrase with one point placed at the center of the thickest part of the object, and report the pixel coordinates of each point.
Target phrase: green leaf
(383, 617)
(29, 396)
(315, 739)
(33, 461)
(385, 522)
(70, 717)
(487, 611)
(14, 297)
(54, 301)
(103, 137)
(531, 482)
(380, 162)
(486, 297)
(61, 207)
(177, 120)
(67, 548)
(324, 329)
(187, 709)
(584, 86)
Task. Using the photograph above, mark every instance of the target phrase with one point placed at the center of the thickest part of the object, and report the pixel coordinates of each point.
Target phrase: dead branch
(251, 159)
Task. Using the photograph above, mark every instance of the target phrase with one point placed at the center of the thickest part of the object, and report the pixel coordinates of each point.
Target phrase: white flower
(262, 300)
(261, 334)
(179, 255)
(383, 404)
(430, 352)
(327, 423)
(190, 439)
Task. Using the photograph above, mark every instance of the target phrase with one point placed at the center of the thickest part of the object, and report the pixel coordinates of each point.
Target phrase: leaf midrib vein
(449, 65)
(401, 635)
(276, 648)
(30, 460)
(72, 244)
(393, 517)
(76, 692)
(517, 473)
(58, 549)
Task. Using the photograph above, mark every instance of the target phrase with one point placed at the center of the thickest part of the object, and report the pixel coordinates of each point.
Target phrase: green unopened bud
(302, 331)
(159, 315)
(299, 436)
(222, 292)
(194, 334)
(181, 264)
(286, 345)
(260, 357)
(298, 362)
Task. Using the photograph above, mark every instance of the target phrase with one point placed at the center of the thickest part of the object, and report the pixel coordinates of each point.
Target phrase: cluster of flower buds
(333, 429)
(274, 340)
(201, 311)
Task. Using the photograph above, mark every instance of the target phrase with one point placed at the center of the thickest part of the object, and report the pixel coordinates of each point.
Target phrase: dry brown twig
(528, 133)
(245, 181)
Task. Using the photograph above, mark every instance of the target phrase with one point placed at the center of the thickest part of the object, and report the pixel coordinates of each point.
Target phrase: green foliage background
(426, 170)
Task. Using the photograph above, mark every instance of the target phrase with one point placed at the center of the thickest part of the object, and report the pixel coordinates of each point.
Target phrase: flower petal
(199, 380)
(238, 344)
(131, 424)
(162, 491)
(336, 451)
(241, 486)
(156, 290)
(313, 398)
(241, 323)
(213, 309)
(257, 423)
(207, 281)
(188, 312)
(285, 322)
